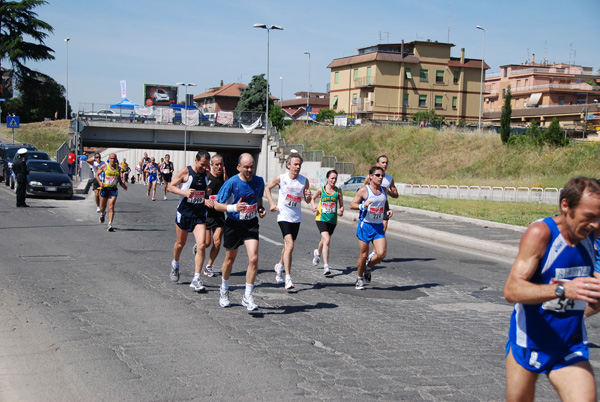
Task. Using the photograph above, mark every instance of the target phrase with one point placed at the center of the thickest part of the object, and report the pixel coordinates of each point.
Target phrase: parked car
(7, 154)
(353, 184)
(37, 155)
(48, 178)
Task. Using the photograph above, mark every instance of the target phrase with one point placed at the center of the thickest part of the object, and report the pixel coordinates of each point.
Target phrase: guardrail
(483, 193)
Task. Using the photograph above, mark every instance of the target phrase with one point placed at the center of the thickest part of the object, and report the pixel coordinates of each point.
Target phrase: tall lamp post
(277, 27)
(67, 92)
(308, 92)
(481, 85)
(281, 100)
(185, 121)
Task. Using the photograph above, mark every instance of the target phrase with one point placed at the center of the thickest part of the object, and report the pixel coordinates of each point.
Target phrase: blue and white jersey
(556, 324)
(374, 212)
(235, 190)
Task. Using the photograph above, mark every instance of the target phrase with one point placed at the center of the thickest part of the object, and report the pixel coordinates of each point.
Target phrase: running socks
(249, 289)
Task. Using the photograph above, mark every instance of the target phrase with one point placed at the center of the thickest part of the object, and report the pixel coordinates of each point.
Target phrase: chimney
(402, 48)
(221, 82)
(462, 55)
(533, 58)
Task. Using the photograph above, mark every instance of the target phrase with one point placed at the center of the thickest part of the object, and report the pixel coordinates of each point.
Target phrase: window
(337, 77)
(408, 74)
(561, 100)
(503, 93)
(405, 99)
(335, 102)
(355, 74)
(423, 75)
(438, 101)
(456, 75)
(422, 100)
(354, 99)
(454, 99)
(368, 75)
(439, 76)
(505, 72)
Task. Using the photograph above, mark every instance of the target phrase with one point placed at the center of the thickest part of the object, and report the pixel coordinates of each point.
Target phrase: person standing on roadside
(166, 169)
(21, 171)
(109, 177)
(241, 197)
(190, 184)
(96, 163)
(370, 200)
(293, 187)
(327, 213)
(152, 172)
(553, 286)
(71, 160)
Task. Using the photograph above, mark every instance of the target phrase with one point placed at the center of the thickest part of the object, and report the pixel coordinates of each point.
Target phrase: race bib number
(213, 198)
(249, 212)
(197, 198)
(292, 201)
(328, 207)
(561, 306)
(375, 213)
(110, 180)
(166, 171)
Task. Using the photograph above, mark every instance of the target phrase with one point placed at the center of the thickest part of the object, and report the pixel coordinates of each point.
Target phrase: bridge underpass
(138, 138)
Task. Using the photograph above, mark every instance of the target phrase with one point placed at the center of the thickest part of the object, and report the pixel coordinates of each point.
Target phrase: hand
(240, 206)
(587, 289)
(314, 209)
(367, 203)
(209, 203)
(189, 193)
(340, 211)
(307, 193)
(261, 212)
(390, 213)
(273, 208)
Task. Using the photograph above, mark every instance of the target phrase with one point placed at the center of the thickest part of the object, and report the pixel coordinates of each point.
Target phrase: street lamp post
(308, 92)
(481, 85)
(281, 100)
(277, 27)
(67, 91)
(185, 121)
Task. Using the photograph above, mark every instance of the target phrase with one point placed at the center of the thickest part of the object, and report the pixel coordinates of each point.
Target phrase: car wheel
(6, 179)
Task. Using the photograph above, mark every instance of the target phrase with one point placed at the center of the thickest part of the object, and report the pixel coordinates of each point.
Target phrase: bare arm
(361, 195)
(316, 195)
(392, 190)
(100, 170)
(270, 186)
(341, 203)
(179, 178)
(307, 193)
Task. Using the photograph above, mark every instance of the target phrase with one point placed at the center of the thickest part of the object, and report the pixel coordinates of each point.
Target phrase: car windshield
(10, 153)
(46, 167)
(37, 155)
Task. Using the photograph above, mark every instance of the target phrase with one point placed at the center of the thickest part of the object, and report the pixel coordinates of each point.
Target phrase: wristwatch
(560, 291)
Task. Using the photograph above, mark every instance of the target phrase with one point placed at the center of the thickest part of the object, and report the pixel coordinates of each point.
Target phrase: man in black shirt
(215, 220)
(21, 171)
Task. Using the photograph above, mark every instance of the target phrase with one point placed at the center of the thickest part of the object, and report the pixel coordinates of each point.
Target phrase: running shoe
(101, 218)
(368, 274)
(174, 271)
(153, 198)
(370, 257)
(326, 270)
(317, 257)
(224, 298)
(360, 285)
(248, 302)
(110, 228)
(197, 285)
(279, 274)
(208, 271)
(98, 209)
(195, 249)
(165, 197)
(288, 284)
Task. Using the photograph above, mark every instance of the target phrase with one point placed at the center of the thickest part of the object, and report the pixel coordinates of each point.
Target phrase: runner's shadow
(138, 230)
(263, 311)
(388, 260)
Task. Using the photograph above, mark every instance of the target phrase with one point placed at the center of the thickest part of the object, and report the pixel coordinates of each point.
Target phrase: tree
(18, 22)
(555, 135)
(40, 97)
(326, 114)
(254, 95)
(535, 134)
(428, 116)
(277, 117)
(505, 117)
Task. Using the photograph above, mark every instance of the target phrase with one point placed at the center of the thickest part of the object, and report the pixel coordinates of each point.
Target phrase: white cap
(293, 151)
(22, 151)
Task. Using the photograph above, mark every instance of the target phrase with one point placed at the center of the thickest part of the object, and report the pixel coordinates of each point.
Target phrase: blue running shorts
(109, 192)
(368, 232)
(538, 361)
(188, 224)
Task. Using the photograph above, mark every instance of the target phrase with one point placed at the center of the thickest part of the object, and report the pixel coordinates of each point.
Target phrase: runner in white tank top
(292, 189)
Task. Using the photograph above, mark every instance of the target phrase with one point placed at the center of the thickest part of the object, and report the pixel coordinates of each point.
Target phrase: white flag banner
(190, 117)
(225, 118)
(123, 89)
(251, 127)
(143, 110)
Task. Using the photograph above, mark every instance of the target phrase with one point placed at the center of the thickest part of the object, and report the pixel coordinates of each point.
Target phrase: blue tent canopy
(178, 107)
(124, 104)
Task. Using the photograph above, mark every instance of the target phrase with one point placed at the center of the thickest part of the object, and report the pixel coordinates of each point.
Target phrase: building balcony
(364, 82)
(581, 87)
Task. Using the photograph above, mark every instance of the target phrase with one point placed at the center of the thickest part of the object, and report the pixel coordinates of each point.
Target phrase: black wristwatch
(560, 291)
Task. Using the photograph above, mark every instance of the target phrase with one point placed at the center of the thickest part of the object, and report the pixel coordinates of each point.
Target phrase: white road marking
(265, 238)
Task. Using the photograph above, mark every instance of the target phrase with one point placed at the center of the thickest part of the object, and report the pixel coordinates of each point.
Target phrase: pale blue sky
(160, 42)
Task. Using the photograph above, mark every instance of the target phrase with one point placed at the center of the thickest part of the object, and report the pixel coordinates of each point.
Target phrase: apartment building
(395, 81)
(223, 97)
(542, 91)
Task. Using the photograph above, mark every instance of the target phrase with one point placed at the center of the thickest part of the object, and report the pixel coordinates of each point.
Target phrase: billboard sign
(160, 95)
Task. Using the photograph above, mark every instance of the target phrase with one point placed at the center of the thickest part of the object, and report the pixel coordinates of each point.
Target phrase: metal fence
(483, 193)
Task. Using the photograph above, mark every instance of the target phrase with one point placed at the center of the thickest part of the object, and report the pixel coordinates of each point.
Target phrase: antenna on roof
(448, 22)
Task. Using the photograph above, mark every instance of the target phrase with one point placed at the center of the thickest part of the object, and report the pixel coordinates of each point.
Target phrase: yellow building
(395, 81)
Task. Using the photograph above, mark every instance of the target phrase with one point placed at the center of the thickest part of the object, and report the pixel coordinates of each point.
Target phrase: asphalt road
(88, 315)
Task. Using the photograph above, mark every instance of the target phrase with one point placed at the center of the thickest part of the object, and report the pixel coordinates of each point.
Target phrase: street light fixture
(279, 28)
(281, 100)
(308, 94)
(67, 91)
(185, 121)
(481, 85)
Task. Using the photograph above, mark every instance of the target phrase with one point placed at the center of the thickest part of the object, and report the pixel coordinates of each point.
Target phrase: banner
(190, 117)
(251, 127)
(160, 95)
(123, 89)
(225, 118)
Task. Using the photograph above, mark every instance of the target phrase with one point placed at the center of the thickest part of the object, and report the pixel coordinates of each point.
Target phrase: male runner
(108, 177)
(552, 286)
(215, 220)
(191, 185)
(145, 160)
(370, 200)
(96, 163)
(152, 172)
(241, 197)
(292, 188)
(166, 169)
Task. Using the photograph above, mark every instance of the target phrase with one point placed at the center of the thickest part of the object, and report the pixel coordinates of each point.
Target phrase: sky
(204, 42)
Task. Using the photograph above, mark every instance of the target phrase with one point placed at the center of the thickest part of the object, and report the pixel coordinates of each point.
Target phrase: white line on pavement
(265, 238)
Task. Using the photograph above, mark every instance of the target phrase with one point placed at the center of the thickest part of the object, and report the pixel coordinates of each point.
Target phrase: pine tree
(505, 117)
(555, 134)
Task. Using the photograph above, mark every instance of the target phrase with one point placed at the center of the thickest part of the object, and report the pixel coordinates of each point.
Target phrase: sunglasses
(377, 174)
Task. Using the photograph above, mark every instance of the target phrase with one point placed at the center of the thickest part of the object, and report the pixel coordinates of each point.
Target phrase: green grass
(46, 136)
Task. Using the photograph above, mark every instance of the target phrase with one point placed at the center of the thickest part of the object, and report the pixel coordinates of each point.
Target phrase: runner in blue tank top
(553, 286)
(191, 185)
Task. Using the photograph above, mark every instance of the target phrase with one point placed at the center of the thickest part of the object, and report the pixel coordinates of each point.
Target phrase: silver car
(353, 184)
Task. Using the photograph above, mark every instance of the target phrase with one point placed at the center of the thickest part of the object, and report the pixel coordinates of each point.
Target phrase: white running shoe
(224, 297)
(110, 228)
(317, 257)
(208, 271)
(98, 209)
(360, 285)
(248, 302)
(288, 284)
(326, 270)
(165, 197)
(174, 271)
(197, 285)
(279, 274)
